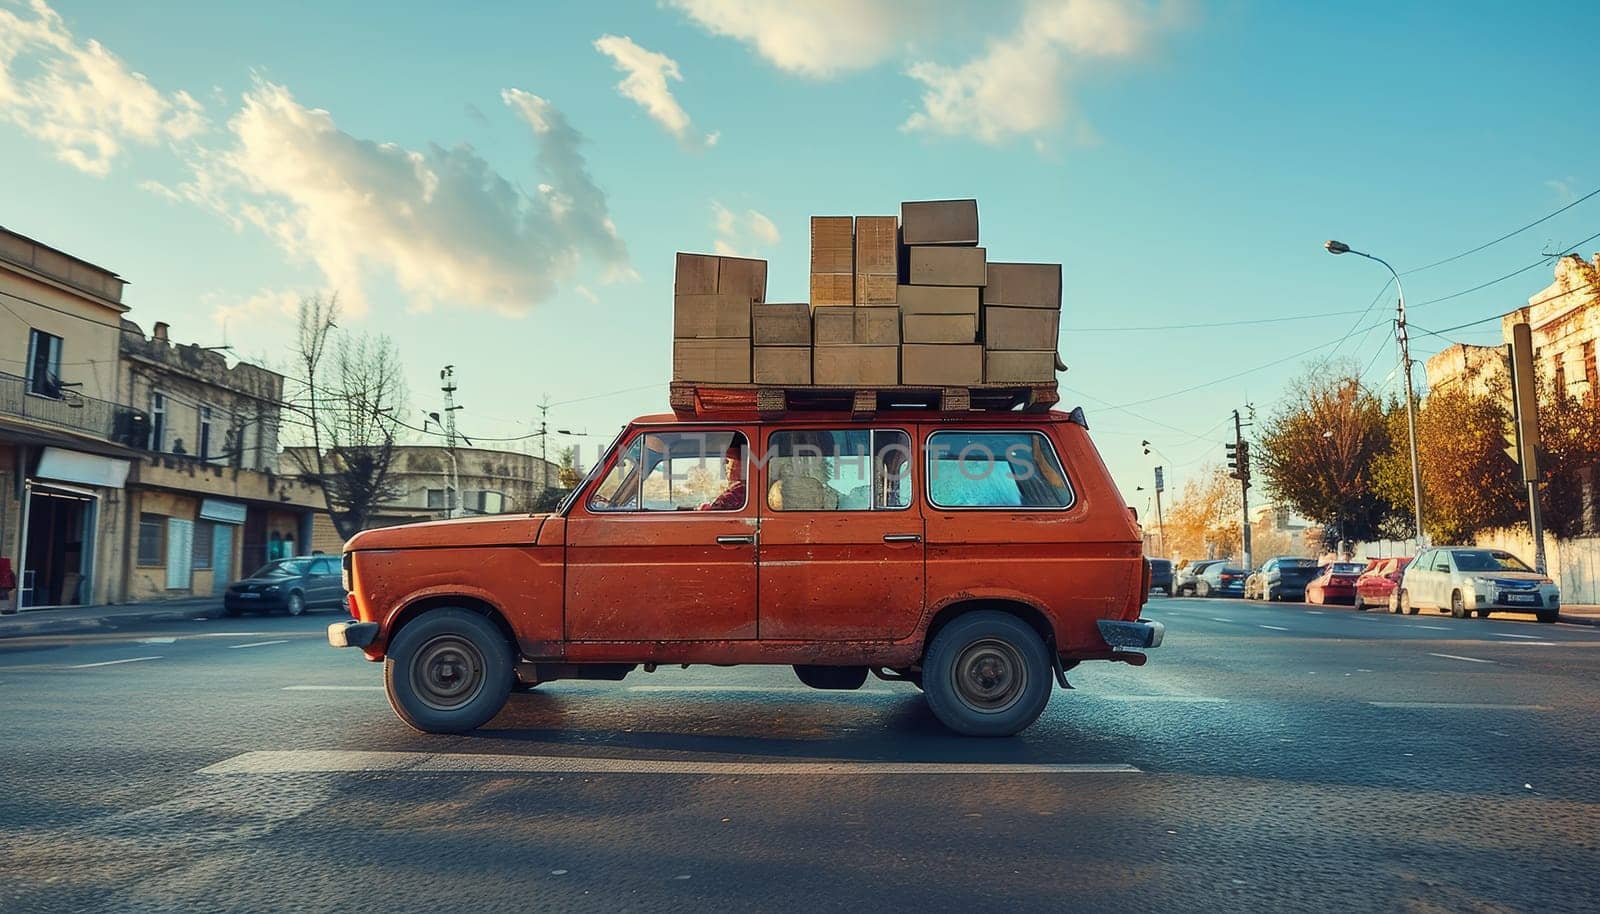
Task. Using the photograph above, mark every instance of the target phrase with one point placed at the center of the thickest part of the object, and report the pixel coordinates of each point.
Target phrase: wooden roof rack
(691, 399)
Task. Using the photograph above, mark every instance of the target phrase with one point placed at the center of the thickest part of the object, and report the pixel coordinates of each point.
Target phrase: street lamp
(1339, 247)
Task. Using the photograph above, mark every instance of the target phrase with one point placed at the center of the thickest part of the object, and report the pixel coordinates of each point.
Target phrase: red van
(979, 556)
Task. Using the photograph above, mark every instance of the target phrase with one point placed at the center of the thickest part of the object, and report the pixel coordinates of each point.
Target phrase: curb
(1578, 620)
(12, 627)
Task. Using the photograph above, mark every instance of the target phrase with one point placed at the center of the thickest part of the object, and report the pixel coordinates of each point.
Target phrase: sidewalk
(76, 620)
(1581, 614)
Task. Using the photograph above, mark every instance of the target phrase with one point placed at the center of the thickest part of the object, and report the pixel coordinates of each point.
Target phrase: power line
(1501, 315)
(1517, 272)
(1488, 244)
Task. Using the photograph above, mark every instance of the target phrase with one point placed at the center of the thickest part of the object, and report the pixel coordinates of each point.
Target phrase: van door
(841, 554)
(664, 547)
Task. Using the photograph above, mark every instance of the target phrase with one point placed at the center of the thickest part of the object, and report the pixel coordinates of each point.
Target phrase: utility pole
(1239, 463)
(1161, 527)
(448, 386)
(1525, 436)
(544, 443)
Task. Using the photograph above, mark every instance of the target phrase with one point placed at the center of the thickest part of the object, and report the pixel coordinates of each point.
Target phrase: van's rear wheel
(448, 671)
(987, 674)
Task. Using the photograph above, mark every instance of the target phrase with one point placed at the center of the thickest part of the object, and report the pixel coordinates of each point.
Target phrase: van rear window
(995, 470)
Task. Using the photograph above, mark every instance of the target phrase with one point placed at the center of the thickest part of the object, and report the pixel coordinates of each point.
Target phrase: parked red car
(1334, 583)
(1377, 584)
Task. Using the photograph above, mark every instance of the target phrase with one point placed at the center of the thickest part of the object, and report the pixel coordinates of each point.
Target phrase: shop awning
(226, 512)
(85, 469)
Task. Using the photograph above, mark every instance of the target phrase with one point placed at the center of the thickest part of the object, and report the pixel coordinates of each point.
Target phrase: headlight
(270, 588)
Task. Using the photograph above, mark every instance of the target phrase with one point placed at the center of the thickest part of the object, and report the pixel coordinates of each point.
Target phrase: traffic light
(1244, 462)
(1233, 460)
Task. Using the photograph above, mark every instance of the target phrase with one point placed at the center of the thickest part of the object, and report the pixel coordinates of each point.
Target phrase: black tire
(448, 671)
(1202, 589)
(1403, 604)
(1458, 606)
(833, 678)
(296, 604)
(1170, 591)
(1547, 616)
(987, 673)
(1394, 602)
(1483, 613)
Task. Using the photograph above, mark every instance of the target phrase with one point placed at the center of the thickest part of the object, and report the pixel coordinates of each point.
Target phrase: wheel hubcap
(447, 672)
(990, 676)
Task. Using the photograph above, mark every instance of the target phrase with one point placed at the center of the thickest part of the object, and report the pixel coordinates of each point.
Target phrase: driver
(731, 498)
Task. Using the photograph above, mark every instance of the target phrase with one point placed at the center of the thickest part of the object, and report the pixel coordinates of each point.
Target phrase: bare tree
(345, 405)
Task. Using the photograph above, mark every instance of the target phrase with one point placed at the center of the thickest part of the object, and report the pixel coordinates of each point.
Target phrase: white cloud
(233, 314)
(740, 233)
(819, 38)
(80, 98)
(441, 223)
(646, 83)
(1019, 85)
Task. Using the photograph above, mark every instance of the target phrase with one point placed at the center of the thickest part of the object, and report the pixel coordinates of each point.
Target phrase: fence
(69, 411)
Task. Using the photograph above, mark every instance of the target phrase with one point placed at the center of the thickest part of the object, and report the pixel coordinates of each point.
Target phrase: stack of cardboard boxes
(913, 302)
(711, 317)
(856, 326)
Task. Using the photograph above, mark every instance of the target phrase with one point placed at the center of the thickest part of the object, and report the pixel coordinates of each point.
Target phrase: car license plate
(1521, 598)
(247, 595)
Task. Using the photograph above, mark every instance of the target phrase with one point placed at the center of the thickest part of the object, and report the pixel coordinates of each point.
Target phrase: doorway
(60, 541)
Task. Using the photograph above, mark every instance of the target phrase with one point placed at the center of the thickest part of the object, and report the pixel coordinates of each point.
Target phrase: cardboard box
(742, 276)
(860, 366)
(781, 325)
(696, 274)
(936, 266)
(832, 244)
(711, 361)
(939, 222)
(938, 299)
(877, 288)
(1024, 285)
(710, 316)
(941, 364)
(781, 365)
(877, 326)
(1001, 367)
(833, 326)
(939, 328)
(832, 289)
(1030, 329)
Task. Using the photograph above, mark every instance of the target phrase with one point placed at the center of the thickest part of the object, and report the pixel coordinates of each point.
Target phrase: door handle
(748, 539)
(902, 537)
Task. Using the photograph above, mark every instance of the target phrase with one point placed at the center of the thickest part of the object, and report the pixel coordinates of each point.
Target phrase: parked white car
(1468, 580)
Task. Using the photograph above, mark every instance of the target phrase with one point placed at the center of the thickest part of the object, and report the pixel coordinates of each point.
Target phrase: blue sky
(1184, 161)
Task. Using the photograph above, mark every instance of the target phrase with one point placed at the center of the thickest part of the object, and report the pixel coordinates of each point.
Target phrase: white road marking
(85, 666)
(156, 641)
(1533, 644)
(331, 688)
(740, 688)
(1217, 619)
(314, 761)
(234, 647)
(227, 635)
(1276, 628)
(1463, 705)
(1455, 657)
(1431, 628)
(1315, 612)
(1510, 635)
(1174, 699)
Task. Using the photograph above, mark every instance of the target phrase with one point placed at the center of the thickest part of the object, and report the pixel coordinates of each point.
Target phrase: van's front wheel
(448, 671)
(987, 674)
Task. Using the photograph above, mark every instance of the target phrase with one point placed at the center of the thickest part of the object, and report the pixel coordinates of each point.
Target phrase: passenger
(731, 498)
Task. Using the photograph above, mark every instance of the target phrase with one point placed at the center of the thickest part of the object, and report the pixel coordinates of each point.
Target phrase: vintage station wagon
(977, 555)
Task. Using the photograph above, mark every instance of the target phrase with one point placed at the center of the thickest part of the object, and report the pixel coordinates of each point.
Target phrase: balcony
(71, 411)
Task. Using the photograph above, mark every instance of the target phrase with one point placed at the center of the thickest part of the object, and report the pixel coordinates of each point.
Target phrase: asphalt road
(1269, 758)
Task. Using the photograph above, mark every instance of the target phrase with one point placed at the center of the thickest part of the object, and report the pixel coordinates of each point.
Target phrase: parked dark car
(292, 585)
(1221, 580)
(1282, 577)
(1185, 579)
(1161, 575)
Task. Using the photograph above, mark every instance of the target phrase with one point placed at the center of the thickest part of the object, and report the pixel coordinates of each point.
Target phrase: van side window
(677, 471)
(995, 470)
(839, 470)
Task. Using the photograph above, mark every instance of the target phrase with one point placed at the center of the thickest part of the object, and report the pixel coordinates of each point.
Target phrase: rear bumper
(352, 634)
(1141, 634)
(233, 600)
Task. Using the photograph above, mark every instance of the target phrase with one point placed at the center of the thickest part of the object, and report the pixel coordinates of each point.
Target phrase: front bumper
(254, 600)
(1515, 600)
(352, 634)
(1141, 634)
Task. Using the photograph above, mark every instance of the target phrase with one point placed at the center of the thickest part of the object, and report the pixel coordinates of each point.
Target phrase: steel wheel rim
(447, 672)
(990, 676)
(297, 604)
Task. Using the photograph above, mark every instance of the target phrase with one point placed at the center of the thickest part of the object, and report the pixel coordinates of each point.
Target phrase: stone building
(206, 503)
